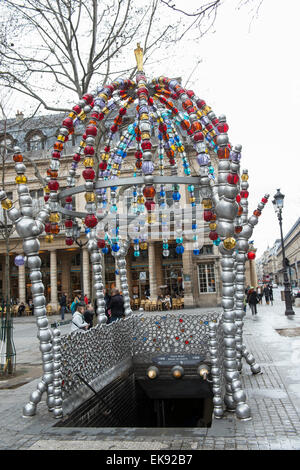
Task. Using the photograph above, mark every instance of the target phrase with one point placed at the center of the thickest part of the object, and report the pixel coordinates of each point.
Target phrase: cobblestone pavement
(274, 398)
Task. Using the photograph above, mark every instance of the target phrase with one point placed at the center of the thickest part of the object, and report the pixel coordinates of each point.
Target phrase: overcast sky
(250, 72)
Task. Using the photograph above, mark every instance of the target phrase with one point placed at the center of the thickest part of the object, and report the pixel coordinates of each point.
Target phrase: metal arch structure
(165, 106)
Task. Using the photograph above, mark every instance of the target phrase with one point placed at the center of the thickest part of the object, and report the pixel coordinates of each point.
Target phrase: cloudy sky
(250, 72)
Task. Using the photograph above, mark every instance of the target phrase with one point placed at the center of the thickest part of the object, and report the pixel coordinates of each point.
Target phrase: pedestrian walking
(252, 300)
(21, 309)
(78, 322)
(260, 294)
(74, 304)
(267, 294)
(271, 293)
(63, 305)
(116, 306)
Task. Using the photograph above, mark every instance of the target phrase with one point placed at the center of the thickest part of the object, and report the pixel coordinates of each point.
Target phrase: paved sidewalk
(274, 398)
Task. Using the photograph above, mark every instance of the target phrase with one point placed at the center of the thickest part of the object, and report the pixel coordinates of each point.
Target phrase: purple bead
(235, 157)
(105, 173)
(147, 167)
(143, 109)
(118, 160)
(69, 207)
(19, 260)
(203, 159)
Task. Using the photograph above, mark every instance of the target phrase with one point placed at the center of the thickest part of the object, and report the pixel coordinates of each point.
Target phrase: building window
(207, 280)
(6, 144)
(206, 250)
(38, 202)
(35, 141)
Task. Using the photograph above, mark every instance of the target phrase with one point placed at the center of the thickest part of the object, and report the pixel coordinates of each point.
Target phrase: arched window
(35, 140)
(6, 143)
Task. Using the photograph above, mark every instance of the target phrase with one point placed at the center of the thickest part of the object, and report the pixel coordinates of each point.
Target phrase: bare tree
(70, 45)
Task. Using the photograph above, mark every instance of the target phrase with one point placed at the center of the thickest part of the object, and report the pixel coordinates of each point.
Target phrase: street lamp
(278, 206)
(76, 229)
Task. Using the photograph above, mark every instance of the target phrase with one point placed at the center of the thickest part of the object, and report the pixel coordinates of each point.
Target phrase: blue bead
(176, 196)
(179, 249)
(196, 252)
(105, 250)
(115, 247)
(194, 226)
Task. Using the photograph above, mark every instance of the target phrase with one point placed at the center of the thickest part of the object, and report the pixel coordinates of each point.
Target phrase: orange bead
(18, 158)
(58, 146)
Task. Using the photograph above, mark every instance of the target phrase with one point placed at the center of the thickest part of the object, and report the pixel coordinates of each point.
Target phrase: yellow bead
(143, 246)
(118, 173)
(212, 226)
(54, 217)
(82, 143)
(144, 117)
(21, 179)
(207, 204)
(90, 197)
(199, 114)
(61, 138)
(192, 199)
(88, 162)
(140, 199)
(6, 204)
(105, 110)
(72, 115)
(229, 243)
(145, 136)
(49, 238)
(206, 109)
(82, 116)
(104, 96)
(115, 166)
(245, 177)
(46, 190)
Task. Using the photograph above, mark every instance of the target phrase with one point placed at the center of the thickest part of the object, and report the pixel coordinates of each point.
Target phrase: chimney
(19, 116)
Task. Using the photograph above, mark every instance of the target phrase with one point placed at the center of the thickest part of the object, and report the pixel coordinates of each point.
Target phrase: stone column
(128, 273)
(187, 263)
(159, 267)
(53, 280)
(152, 271)
(65, 274)
(253, 275)
(22, 283)
(86, 272)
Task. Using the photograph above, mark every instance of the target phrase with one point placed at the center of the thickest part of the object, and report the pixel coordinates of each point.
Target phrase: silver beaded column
(226, 210)
(120, 257)
(57, 375)
(215, 371)
(97, 266)
(243, 246)
(29, 229)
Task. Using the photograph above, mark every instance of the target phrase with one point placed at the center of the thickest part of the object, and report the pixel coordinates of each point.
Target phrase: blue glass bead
(187, 171)
(136, 240)
(196, 252)
(165, 246)
(194, 226)
(179, 240)
(179, 249)
(176, 196)
(87, 230)
(136, 254)
(113, 209)
(217, 242)
(191, 188)
(162, 193)
(115, 247)
(105, 250)
(117, 271)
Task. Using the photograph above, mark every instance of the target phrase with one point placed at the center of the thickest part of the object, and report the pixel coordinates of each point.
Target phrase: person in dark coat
(21, 309)
(89, 314)
(267, 294)
(115, 306)
(252, 300)
(63, 305)
(271, 293)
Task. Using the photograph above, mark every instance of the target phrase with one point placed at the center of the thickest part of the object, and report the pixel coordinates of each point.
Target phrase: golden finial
(138, 52)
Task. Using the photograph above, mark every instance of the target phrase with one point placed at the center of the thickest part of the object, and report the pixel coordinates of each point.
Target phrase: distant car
(275, 285)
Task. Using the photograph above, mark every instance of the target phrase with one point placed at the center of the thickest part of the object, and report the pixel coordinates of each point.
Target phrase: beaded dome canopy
(167, 119)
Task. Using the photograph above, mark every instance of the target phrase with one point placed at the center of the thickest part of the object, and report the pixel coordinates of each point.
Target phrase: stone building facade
(66, 268)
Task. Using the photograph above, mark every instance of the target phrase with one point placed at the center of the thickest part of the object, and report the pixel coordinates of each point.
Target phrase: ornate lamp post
(278, 206)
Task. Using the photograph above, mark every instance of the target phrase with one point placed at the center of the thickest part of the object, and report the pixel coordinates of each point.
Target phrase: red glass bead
(190, 93)
(238, 198)
(101, 243)
(146, 145)
(138, 154)
(232, 178)
(200, 103)
(162, 127)
(251, 255)
(186, 104)
(91, 130)
(68, 123)
(47, 227)
(215, 121)
(88, 174)
(122, 111)
(53, 185)
(257, 213)
(244, 194)
(68, 223)
(207, 216)
(114, 128)
(90, 221)
(69, 199)
(88, 98)
(149, 191)
(46, 197)
(103, 166)
(76, 157)
(150, 205)
(264, 200)
(77, 109)
(84, 136)
(223, 127)
(89, 150)
(238, 229)
(107, 149)
(198, 137)
(213, 235)
(69, 241)
(185, 125)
